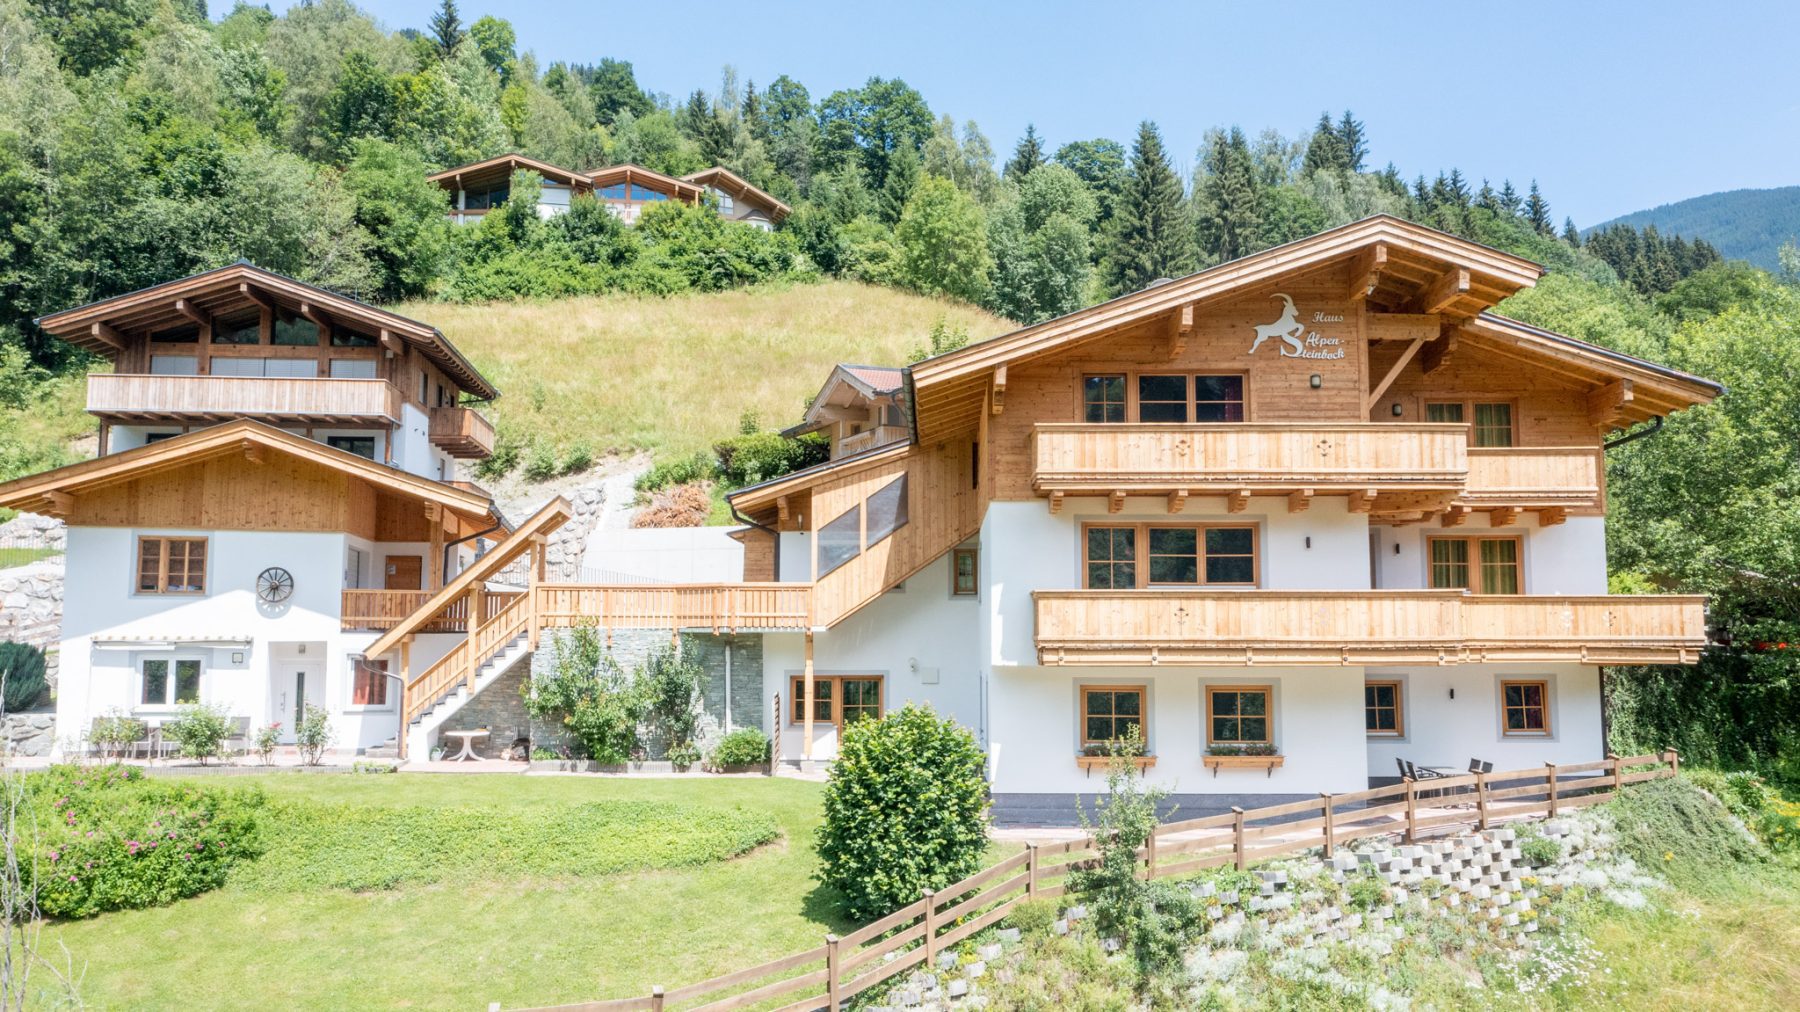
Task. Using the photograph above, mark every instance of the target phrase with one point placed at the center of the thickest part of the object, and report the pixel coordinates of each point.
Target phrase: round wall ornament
(274, 585)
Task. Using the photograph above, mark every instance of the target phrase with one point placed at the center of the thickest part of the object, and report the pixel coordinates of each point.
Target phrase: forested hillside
(1748, 225)
(139, 142)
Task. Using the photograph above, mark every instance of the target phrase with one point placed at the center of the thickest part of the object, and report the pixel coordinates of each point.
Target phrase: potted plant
(1102, 754)
(1259, 755)
(684, 756)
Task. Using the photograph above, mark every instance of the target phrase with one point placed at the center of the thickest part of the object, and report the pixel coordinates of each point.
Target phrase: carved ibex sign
(1296, 342)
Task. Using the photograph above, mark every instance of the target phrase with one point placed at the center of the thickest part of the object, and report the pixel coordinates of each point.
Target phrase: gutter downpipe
(1656, 425)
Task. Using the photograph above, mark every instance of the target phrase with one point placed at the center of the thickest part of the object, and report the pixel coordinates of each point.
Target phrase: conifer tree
(902, 180)
(1571, 234)
(1228, 201)
(1537, 211)
(1509, 198)
(446, 28)
(695, 115)
(1152, 235)
(1487, 199)
(1354, 141)
(1326, 149)
(1027, 156)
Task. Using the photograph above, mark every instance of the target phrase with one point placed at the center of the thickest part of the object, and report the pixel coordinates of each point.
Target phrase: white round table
(468, 744)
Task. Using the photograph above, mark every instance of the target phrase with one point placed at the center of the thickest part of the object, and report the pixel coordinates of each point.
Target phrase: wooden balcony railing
(383, 609)
(191, 398)
(868, 439)
(1097, 627)
(1155, 458)
(719, 607)
(1535, 476)
(461, 432)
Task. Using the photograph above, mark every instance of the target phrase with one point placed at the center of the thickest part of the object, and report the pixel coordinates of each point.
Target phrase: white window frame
(168, 704)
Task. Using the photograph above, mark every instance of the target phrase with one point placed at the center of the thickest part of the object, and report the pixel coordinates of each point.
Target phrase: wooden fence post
(1412, 810)
(1237, 837)
(1552, 782)
(1618, 771)
(775, 739)
(1481, 800)
(1674, 758)
(1031, 871)
(832, 972)
(1150, 857)
(1330, 826)
(930, 901)
(656, 998)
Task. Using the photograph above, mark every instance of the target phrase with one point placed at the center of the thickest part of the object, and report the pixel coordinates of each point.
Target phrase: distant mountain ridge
(1744, 224)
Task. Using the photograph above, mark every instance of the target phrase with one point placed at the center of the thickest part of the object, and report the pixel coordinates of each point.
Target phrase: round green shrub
(744, 747)
(200, 731)
(109, 839)
(21, 676)
(905, 810)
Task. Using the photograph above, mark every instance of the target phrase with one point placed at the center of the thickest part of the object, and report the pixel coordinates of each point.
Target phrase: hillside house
(276, 483)
(1290, 519)
(859, 408)
(479, 187)
(738, 200)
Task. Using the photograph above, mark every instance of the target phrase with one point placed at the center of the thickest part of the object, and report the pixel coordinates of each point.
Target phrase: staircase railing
(465, 659)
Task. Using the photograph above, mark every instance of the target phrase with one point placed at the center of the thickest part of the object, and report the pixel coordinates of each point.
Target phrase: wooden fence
(828, 975)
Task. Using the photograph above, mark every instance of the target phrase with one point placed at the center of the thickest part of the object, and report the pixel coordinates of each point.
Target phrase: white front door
(295, 684)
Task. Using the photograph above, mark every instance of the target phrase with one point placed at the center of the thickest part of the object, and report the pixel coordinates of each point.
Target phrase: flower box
(1267, 763)
(1093, 762)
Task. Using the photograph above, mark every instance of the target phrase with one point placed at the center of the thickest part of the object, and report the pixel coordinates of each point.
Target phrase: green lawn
(11, 557)
(469, 939)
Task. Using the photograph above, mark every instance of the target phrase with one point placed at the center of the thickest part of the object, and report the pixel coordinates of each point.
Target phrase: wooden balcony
(1093, 627)
(380, 610)
(125, 397)
(1261, 458)
(1569, 477)
(869, 439)
(461, 432)
(715, 607)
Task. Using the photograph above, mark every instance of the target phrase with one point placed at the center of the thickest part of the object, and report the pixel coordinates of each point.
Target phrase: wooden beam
(1177, 500)
(255, 295)
(1552, 516)
(1439, 353)
(1238, 501)
(1606, 405)
(1453, 284)
(1056, 501)
(434, 515)
(321, 319)
(806, 743)
(1365, 273)
(253, 452)
(392, 342)
(781, 509)
(1455, 516)
(193, 312)
(1403, 326)
(61, 504)
(1392, 374)
(999, 389)
(1362, 500)
(1116, 501)
(1299, 500)
(1181, 327)
(105, 333)
(1505, 516)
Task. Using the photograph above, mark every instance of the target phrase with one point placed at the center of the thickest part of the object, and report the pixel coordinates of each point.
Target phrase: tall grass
(672, 375)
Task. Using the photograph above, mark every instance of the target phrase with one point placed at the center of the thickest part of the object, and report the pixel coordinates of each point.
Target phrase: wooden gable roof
(723, 178)
(612, 175)
(501, 167)
(103, 327)
(241, 443)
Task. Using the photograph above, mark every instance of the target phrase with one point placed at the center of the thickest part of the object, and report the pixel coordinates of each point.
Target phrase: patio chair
(1477, 766)
(1419, 774)
(238, 742)
(146, 741)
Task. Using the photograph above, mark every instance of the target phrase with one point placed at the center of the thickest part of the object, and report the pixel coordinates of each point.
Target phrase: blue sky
(1613, 107)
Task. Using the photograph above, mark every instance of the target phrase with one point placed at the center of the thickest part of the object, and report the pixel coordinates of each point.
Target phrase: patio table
(468, 744)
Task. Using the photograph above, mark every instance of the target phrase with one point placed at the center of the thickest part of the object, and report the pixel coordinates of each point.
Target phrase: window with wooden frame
(1103, 398)
(171, 565)
(369, 686)
(1219, 398)
(1525, 708)
(1480, 565)
(963, 572)
(1493, 420)
(1238, 714)
(169, 682)
(1110, 712)
(1162, 398)
(837, 699)
(1121, 557)
(1382, 714)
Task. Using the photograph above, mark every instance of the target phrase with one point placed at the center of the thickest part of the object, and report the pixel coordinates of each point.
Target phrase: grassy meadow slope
(671, 375)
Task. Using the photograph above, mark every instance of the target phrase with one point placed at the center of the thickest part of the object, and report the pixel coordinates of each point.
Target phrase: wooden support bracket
(1552, 516)
(1453, 284)
(1181, 327)
(1393, 374)
(1362, 500)
(1299, 500)
(252, 452)
(1439, 353)
(193, 313)
(1177, 500)
(319, 318)
(1365, 273)
(1116, 501)
(107, 334)
(1455, 516)
(1056, 502)
(61, 503)
(1606, 405)
(999, 398)
(392, 342)
(1238, 501)
(255, 295)
(1505, 516)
